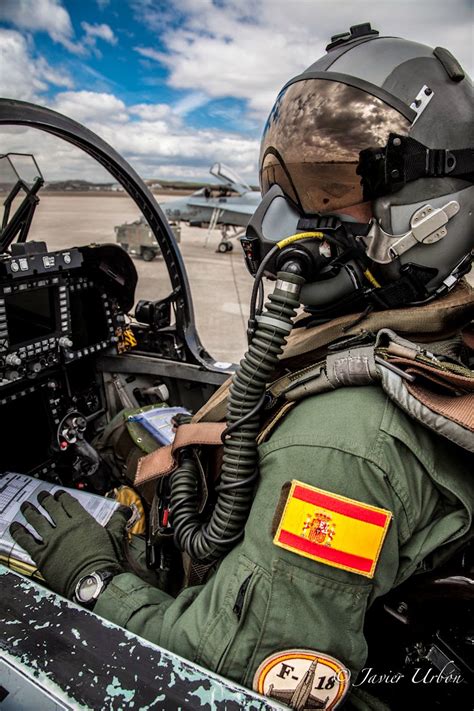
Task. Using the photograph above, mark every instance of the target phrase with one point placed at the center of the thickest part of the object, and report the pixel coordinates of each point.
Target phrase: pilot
(364, 476)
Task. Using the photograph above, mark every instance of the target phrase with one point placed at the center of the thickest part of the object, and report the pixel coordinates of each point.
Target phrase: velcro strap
(163, 460)
(353, 367)
(452, 396)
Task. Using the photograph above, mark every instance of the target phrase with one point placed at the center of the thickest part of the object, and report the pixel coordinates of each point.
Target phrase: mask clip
(428, 225)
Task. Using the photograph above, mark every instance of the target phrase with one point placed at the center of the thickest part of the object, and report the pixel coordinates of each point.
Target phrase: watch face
(87, 588)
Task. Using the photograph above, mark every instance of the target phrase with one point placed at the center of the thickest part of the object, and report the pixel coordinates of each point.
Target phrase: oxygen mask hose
(210, 540)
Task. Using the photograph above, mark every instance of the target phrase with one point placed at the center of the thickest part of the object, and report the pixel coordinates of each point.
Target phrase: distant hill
(83, 186)
(80, 185)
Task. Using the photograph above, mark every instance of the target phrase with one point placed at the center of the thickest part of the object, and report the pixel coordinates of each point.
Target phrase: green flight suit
(354, 442)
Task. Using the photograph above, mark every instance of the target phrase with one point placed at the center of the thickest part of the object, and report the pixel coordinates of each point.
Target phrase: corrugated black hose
(210, 540)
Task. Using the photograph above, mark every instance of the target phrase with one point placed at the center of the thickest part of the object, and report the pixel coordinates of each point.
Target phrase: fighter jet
(230, 205)
(301, 697)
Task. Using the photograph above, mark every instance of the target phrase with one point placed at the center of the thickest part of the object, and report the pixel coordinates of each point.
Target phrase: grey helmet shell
(397, 70)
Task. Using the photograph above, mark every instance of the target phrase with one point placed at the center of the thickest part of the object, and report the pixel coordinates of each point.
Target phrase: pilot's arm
(270, 611)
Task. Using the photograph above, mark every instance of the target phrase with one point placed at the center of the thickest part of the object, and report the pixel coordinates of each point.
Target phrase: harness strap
(439, 394)
(355, 366)
(409, 400)
(164, 459)
(430, 322)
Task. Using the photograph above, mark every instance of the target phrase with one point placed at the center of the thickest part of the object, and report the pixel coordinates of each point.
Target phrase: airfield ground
(220, 283)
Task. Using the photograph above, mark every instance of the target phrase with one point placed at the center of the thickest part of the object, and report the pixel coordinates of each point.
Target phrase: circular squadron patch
(303, 679)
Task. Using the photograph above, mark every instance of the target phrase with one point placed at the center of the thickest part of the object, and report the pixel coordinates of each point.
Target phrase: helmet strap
(403, 159)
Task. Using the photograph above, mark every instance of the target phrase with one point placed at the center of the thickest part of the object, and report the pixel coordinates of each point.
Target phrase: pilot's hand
(75, 546)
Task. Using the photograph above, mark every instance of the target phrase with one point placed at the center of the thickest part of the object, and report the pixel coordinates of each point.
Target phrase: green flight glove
(75, 546)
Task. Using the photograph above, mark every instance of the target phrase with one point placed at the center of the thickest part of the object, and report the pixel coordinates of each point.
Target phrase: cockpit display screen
(26, 433)
(88, 318)
(31, 314)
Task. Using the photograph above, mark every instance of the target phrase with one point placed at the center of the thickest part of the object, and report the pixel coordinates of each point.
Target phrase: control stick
(86, 461)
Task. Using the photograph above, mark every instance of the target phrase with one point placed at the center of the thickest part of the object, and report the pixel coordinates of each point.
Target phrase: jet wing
(282, 695)
(314, 703)
(243, 209)
(285, 695)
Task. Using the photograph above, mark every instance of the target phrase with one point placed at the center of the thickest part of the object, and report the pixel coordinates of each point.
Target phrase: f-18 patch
(303, 679)
(332, 529)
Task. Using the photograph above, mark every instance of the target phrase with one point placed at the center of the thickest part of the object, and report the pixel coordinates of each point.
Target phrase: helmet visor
(313, 137)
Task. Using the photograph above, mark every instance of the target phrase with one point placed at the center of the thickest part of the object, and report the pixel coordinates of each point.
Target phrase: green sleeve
(264, 599)
(134, 604)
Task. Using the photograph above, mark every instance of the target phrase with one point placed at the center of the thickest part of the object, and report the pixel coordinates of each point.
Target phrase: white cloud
(151, 53)
(52, 75)
(190, 102)
(91, 106)
(57, 160)
(22, 75)
(152, 137)
(151, 112)
(235, 68)
(96, 31)
(41, 16)
(50, 16)
(249, 49)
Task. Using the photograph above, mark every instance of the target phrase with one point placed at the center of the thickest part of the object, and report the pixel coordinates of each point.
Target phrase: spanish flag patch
(332, 529)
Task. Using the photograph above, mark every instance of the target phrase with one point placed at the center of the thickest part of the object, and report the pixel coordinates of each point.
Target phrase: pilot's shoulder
(357, 420)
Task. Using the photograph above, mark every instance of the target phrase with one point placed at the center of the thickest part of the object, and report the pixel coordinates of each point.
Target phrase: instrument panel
(50, 318)
(58, 311)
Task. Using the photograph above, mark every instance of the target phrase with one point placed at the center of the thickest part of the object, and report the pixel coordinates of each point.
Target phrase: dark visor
(313, 137)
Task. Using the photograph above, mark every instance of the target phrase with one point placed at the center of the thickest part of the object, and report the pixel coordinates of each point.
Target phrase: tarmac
(220, 283)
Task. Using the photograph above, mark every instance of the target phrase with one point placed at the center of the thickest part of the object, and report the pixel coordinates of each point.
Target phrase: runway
(220, 283)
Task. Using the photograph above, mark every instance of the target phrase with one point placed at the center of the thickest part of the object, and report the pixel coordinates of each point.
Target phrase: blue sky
(176, 85)
(108, 53)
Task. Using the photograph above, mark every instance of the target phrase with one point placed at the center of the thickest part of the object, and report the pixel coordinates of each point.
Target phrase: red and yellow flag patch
(332, 529)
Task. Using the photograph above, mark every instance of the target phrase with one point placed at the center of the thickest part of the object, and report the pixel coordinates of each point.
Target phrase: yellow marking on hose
(299, 235)
(370, 277)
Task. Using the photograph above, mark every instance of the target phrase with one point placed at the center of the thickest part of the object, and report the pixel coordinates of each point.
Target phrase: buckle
(439, 162)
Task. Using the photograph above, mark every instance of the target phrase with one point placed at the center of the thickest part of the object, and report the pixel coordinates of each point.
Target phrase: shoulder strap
(438, 394)
(163, 460)
(427, 323)
(433, 321)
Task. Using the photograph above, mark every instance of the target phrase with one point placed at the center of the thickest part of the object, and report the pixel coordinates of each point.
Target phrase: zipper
(237, 610)
(240, 599)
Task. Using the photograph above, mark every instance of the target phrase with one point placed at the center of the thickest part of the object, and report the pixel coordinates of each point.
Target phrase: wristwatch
(91, 586)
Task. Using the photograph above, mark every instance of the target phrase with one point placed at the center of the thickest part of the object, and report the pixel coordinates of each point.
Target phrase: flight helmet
(381, 123)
